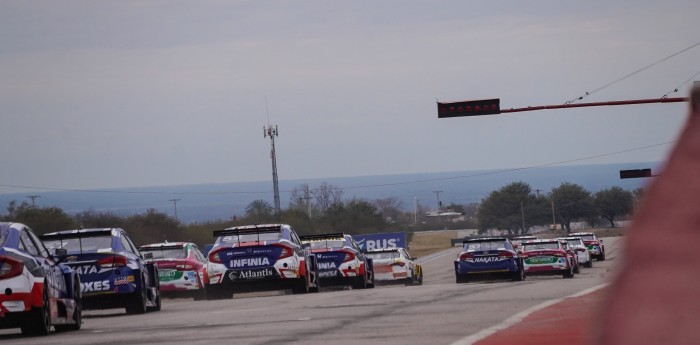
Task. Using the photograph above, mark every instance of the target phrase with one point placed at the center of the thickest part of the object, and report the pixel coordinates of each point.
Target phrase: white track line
(471, 339)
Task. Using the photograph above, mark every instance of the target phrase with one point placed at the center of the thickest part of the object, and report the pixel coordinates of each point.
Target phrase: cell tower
(271, 131)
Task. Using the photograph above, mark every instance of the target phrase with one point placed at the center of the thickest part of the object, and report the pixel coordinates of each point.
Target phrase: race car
(181, 268)
(37, 290)
(517, 240)
(572, 254)
(396, 265)
(595, 246)
(113, 273)
(340, 260)
(547, 257)
(259, 258)
(582, 253)
(486, 257)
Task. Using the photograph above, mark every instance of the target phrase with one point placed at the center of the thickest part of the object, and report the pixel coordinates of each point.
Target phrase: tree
(327, 195)
(390, 208)
(571, 201)
(613, 202)
(259, 211)
(513, 208)
(153, 227)
(40, 219)
(355, 216)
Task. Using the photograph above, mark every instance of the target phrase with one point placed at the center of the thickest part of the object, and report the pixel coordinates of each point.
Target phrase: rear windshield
(327, 244)
(166, 253)
(265, 236)
(540, 246)
(81, 245)
(484, 246)
(3, 236)
(384, 255)
(576, 242)
(587, 237)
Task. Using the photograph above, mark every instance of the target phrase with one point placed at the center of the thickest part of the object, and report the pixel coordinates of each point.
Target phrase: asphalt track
(438, 312)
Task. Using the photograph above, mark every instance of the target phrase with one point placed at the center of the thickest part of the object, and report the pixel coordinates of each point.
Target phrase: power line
(353, 187)
(631, 74)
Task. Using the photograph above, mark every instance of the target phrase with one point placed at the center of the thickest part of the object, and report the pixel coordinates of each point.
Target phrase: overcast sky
(100, 94)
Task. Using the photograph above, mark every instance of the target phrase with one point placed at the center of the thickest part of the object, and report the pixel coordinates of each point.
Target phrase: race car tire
(136, 303)
(200, 294)
(577, 269)
(214, 292)
(461, 278)
(601, 257)
(156, 301)
(77, 312)
(519, 275)
(420, 279)
(301, 286)
(570, 273)
(39, 321)
(588, 263)
(360, 282)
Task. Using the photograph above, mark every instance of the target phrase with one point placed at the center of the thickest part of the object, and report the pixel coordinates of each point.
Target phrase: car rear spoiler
(321, 237)
(161, 247)
(388, 250)
(484, 239)
(76, 234)
(247, 231)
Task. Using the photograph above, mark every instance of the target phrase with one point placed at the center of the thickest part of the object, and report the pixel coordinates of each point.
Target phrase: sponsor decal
(251, 274)
(248, 262)
(327, 274)
(486, 259)
(95, 286)
(369, 242)
(328, 265)
(123, 280)
(86, 269)
(541, 260)
(169, 275)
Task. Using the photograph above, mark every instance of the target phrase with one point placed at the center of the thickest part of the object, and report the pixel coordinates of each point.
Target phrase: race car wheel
(360, 282)
(410, 280)
(39, 321)
(588, 263)
(136, 303)
(77, 312)
(301, 286)
(461, 278)
(570, 272)
(420, 279)
(601, 257)
(200, 294)
(519, 274)
(577, 269)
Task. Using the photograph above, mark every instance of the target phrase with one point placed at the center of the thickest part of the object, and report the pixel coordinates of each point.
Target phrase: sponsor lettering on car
(95, 286)
(328, 265)
(248, 262)
(251, 274)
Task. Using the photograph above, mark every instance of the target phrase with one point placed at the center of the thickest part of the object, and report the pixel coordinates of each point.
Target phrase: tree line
(515, 208)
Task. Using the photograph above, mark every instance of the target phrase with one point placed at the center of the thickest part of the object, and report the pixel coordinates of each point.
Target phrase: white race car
(396, 265)
(577, 244)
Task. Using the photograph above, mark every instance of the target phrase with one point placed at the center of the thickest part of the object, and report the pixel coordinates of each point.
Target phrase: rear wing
(76, 234)
(161, 247)
(321, 237)
(484, 239)
(388, 250)
(248, 230)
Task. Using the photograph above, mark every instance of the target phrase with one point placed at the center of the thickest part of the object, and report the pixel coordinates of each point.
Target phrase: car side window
(29, 246)
(294, 236)
(133, 246)
(39, 245)
(199, 254)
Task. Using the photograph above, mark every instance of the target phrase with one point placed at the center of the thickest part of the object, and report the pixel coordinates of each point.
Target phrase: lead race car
(259, 258)
(548, 257)
(113, 273)
(38, 291)
(595, 245)
(340, 260)
(488, 256)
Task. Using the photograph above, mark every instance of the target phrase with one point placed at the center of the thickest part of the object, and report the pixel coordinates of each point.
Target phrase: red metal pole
(597, 104)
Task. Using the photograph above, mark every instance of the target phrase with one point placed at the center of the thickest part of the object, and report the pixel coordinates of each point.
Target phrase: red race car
(181, 268)
(547, 257)
(595, 245)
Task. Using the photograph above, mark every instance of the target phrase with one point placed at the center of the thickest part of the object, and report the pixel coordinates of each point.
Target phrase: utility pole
(307, 201)
(33, 197)
(437, 192)
(415, 210)
(522, 213)
(554, 220)
(271, 131)
(175, 206)
(537, 191)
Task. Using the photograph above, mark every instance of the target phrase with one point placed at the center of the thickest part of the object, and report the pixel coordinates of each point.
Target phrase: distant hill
(204, 202)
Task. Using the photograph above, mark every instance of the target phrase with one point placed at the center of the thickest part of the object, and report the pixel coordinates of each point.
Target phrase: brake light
(112, 261)
(505, 254)
(286, 251)
(214, 257)
(348, 256)
(399, 263)
(559, 254)
(10, 267)
(580, 249)
(465, 256)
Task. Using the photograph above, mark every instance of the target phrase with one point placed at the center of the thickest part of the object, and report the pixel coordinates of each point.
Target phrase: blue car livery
(488, 257)
(112, 271)
(340, 260)
(37, 291)
(259, 258)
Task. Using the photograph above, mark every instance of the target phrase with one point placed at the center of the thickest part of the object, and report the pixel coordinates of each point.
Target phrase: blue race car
(113, 273)
(38, 291)
(259, 258)
(340, 261)
(488, 256)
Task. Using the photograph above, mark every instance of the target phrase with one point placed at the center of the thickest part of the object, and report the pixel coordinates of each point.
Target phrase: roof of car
(543, 240)
(166, 244)
(581, 234)
(78, 233)
(484, 239)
